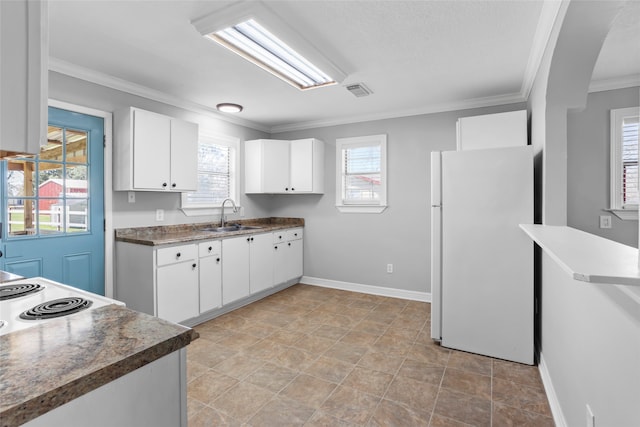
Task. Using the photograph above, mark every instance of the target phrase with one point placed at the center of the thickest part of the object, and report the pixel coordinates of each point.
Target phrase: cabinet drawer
(209, 248)
(279, 236)
(294, 234)
(176, 254)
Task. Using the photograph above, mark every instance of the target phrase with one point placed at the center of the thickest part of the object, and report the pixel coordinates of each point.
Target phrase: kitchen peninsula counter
(170, 234)
(587, 257)
(45, 366)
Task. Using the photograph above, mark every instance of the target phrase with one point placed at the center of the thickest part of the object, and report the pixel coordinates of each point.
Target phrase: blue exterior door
(53, 205)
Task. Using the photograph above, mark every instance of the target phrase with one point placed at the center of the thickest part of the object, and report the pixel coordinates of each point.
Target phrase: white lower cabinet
(288, 258)
(210, 268)
(177, 282)
(181, 282)
(247, 266)
(235, 269)
(261, 262)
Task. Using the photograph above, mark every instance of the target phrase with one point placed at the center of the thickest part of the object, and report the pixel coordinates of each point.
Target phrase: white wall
(588, 191)
(356, 248)
(589, 333)
(591, 348)
(352, 248)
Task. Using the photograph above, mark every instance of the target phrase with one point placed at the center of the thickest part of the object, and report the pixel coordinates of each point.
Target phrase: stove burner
(56, 308)
(15, 291)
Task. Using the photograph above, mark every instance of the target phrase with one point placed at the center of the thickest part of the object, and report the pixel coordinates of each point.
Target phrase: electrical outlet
(389, 268)
(605, 221)
(591, 419)
(159, 214)
(241, 211)
(131, 197)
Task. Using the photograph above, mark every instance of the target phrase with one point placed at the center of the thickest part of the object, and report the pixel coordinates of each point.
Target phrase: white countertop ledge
(587, 257)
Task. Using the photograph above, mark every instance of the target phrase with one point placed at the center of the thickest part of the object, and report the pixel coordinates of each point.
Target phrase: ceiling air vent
(359, 89)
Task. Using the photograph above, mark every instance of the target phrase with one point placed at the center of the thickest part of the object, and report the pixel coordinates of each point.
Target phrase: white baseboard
(367, 289)
(556, 409)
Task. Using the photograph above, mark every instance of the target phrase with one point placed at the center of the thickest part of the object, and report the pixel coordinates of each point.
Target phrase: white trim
(615, 185)
(625, 214)
(489, 101)
(546, 21)
(552, 397)
(361, 209)
(615, 83)
(367, 289)
(92, 76)
(362, 141)
(108, 180)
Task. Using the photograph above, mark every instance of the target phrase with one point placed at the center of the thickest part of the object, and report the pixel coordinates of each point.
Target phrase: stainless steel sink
(231, 228)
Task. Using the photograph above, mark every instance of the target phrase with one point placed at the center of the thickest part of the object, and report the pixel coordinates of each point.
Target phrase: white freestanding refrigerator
(481, 261)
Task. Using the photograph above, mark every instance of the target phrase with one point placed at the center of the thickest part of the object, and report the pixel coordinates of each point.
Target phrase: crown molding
(615, 83)
(544, 29)
(489, 101)
(102, 79)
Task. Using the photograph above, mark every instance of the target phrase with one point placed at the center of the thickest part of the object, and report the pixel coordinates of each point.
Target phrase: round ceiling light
(229, 108)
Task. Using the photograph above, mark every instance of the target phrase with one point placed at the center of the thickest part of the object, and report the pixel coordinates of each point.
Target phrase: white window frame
(361, 141)
(234, 144)
(628, 212)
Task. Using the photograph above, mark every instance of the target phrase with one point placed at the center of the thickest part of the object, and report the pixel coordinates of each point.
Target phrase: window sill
(193, 211)
(361, 209)
(625, 214)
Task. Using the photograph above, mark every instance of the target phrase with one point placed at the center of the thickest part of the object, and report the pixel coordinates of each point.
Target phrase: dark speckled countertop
(48, 365)
(165, 235)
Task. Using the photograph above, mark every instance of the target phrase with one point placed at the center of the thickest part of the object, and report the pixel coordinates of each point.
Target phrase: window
(48, 194)
(361, 179)
(624, 162)
(217, 175)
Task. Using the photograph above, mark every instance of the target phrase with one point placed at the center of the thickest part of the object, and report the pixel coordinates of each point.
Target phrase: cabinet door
(302, 166)
(280, 263)
(151, 150)
(235, 269)
(24, 66)
(210, 282)
(261, 262)
(184, 155)
(295, 262)
(177, 291)
(275, 162)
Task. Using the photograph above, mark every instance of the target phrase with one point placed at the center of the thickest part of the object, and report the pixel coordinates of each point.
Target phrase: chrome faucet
(235, 209)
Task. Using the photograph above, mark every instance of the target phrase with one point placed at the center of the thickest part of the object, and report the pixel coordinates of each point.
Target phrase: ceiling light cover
(256, 44)
(227, 107)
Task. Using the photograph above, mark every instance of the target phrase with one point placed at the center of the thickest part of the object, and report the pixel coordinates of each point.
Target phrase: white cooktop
(11, 309)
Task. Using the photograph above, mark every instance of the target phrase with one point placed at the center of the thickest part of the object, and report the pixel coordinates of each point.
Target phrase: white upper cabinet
(154, 152)
(284, 167)
(24, 57)
(498, 130)
(307, 166)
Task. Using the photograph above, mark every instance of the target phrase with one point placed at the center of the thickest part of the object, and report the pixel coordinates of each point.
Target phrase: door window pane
(76, 184)
(48, 194)
(21, 178)
(76, 146)
(20, 217)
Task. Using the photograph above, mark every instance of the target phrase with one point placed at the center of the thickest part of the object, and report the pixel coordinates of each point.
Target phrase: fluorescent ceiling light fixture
(227, 107)
(253, 42)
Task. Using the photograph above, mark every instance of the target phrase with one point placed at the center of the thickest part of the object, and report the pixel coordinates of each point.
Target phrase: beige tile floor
(321, 357)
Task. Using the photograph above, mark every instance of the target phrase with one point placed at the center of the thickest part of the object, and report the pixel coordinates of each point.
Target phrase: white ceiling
(416, 56)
